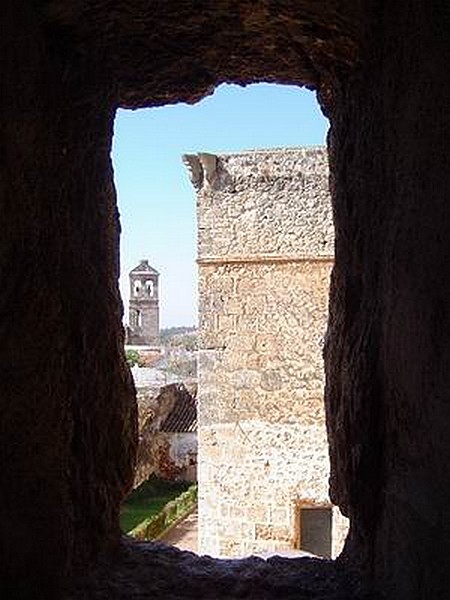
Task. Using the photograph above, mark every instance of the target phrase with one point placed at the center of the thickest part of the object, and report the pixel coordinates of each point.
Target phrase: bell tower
(144, 305)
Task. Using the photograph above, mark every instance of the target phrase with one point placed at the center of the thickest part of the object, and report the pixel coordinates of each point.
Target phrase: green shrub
(133, 358)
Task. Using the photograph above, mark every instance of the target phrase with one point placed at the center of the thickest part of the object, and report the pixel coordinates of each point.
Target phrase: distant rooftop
(183, 417)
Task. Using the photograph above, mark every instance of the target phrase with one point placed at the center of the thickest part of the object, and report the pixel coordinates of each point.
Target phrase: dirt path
(184, 535)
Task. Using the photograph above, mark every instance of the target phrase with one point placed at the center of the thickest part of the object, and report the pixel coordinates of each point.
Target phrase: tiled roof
(183, 417)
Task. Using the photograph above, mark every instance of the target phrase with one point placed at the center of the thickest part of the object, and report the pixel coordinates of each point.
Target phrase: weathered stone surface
(68, 426)
(161, 453)
(143, 308)
(156, 572)
(68, 417)
(387, 354)
(163, 52)
(269, 192)
(154, 405)
(265, 246)
(68, 413)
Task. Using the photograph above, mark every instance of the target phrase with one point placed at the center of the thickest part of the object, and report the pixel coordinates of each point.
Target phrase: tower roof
(144, 268)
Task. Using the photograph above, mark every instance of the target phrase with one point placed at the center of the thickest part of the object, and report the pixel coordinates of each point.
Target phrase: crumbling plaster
(164, 454)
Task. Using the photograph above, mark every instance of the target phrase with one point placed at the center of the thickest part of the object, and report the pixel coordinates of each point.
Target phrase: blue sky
(156, 199)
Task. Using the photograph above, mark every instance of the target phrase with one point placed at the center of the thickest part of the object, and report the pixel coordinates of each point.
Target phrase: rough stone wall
(177, 455)
(387, 356)
(265, 254)
(154, 405)
(167, 455)
(68, 419)
(68, 427)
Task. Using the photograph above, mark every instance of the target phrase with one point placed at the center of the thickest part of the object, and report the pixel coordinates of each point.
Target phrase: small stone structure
(178, 439)
(265, 252)
(143, 328)
(167, 419)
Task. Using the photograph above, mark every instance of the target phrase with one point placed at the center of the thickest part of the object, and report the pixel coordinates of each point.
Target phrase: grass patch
(174, 511)
(148, 499)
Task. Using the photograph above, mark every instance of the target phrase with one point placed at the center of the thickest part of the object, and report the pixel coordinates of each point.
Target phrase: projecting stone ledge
(158, 572)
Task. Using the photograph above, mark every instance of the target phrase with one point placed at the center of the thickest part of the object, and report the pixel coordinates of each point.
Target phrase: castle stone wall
(265, 255)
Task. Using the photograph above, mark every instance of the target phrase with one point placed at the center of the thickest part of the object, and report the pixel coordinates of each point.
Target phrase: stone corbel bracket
(202, 168)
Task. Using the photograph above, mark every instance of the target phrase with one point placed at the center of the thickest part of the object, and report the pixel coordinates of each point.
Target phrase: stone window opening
(136, 318)
(276, 529)
(267, 171)
(68, 426)
(149, 287)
